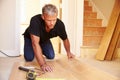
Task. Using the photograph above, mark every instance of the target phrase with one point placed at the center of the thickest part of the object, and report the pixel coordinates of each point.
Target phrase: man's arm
(38, 53)
(67, 48)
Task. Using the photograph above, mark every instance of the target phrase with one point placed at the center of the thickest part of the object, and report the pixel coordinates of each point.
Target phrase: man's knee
(29, 58)
(51, 56)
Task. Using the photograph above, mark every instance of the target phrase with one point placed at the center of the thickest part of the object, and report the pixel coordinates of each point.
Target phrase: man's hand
(70, 55)
(46, 68)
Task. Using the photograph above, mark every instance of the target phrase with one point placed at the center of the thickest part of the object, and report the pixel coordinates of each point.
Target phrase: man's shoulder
(59, 21)
(36, 16)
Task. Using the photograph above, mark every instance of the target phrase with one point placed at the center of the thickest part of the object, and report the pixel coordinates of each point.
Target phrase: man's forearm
(37, 49)
(67, 45)
(40, 59)
(38, 54)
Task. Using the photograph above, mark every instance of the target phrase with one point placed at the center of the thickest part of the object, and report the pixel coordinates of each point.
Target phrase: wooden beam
(115, 54)
(113, 44)
(101, 53)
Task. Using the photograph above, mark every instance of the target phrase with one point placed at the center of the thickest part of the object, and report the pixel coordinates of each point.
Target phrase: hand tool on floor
(31, 74)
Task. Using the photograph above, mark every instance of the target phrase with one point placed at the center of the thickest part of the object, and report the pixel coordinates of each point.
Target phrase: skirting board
(9, 53)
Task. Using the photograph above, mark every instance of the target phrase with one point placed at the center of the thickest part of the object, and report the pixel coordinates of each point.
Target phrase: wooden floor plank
(64, 69)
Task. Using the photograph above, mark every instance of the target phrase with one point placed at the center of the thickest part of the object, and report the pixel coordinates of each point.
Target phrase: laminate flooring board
(64, 69)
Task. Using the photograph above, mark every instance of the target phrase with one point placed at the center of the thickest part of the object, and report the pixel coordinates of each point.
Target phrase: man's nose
(51, 22)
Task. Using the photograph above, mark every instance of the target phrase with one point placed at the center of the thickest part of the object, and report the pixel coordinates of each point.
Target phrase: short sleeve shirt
(37, 28)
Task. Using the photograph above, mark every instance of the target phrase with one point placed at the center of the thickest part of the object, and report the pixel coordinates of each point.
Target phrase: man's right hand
(46, 68)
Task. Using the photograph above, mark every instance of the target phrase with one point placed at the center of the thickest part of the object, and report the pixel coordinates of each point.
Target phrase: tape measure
(31, 75)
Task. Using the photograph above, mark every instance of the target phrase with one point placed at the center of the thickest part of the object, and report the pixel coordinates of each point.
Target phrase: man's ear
(42, 17)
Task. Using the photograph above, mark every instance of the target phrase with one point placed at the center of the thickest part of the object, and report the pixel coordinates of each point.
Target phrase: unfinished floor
(97, 70)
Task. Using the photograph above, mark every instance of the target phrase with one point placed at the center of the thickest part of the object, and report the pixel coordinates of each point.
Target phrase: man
(37, 36)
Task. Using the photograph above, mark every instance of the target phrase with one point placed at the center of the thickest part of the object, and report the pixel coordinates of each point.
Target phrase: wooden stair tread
(92, 40)
(93, 31)
(91, 15)
(88, 8)
(86, 3)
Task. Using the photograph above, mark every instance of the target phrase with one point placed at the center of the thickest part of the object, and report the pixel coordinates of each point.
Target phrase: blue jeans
(47, 49)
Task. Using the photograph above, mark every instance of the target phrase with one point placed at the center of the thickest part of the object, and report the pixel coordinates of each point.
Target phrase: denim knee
(50, 56)
(28, 58)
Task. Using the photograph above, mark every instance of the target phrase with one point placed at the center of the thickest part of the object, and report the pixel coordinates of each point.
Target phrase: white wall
(72, 16)
(103, 10)
(106, 9)
(9, 27)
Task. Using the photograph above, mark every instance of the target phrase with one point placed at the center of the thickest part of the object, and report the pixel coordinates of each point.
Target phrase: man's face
(50, 20)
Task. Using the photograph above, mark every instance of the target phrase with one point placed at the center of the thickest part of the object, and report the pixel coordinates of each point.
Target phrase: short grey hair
(49, 9)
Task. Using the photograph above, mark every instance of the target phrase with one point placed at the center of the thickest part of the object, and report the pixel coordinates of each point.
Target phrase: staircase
(92, 31)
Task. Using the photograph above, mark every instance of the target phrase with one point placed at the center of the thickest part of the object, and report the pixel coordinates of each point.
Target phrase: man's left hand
(70, 55)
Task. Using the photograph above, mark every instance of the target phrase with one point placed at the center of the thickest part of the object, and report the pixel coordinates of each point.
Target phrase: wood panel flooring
(75, 69)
